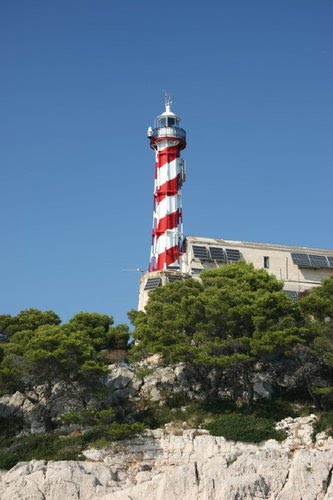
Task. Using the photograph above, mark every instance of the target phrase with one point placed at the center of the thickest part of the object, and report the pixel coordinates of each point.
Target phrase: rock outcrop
(129, 384)
(153, 382)
(172, 464)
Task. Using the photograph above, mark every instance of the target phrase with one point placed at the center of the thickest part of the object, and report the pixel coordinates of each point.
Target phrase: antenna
(167, 101)
(137, 270)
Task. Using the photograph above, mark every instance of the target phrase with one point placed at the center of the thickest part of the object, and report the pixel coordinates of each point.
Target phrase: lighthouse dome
(166, 127)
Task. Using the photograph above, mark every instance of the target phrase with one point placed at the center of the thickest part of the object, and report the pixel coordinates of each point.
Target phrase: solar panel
(175, 278)
(217, 253)
(318, 261)
(301, 259)
(232, 254)
(330, 260)
(152, 283)
(292, 294)
(200, 252)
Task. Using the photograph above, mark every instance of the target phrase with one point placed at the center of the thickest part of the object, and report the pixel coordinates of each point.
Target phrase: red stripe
(170, 221)
(166, 258)
(181, 143)
(167, 155)
(169, 188)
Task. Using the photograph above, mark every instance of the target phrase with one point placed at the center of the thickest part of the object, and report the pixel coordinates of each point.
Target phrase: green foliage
(9, 427)
(183, 413)
(29, 319)
(172, 315)
(124, 431)
(47, 355)
(234, 318)
(143, 371)
(90, 321)
(324, 423)
(319, 302)
(317, 308)
(110, 432)
(98, 327)
(277, 408)
(323, 390)
(119, 337)
(53, 446)
(48, 446)
(88, 416)
(39, 351)
(153, 415)
(245, 428)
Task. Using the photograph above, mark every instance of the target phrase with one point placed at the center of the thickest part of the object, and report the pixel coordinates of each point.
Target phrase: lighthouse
(166, 263)
(167, 139)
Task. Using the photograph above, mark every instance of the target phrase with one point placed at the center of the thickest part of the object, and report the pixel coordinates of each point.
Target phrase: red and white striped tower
(167, 139)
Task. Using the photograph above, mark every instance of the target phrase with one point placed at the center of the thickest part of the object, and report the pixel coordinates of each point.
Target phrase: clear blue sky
(81, 81)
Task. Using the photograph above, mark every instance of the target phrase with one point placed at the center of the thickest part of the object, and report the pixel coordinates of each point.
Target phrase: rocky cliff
(172, 464)
(127, 387)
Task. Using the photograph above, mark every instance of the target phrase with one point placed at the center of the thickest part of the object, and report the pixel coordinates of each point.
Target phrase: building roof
(254, 245)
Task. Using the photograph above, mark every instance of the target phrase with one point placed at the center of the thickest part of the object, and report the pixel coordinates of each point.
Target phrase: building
(300, 268)
(174, 257)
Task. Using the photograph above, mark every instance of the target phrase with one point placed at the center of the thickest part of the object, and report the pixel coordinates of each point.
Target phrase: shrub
(8, 428)
(35, 446)
(143, 371)
(8, 459)
(155, 415)
(275, 409)
(52, 446)
(324, 423)
(88, 416)
(245, 428)
(112, 432)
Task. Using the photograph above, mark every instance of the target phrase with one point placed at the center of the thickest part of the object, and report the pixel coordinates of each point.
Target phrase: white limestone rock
(189, 465)
(40, 480)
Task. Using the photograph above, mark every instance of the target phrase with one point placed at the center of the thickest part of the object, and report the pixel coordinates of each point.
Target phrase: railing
(178, 133)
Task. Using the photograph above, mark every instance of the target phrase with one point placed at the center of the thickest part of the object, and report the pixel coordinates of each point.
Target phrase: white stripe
(167, 206)
(174, 263)
(165, 241)
(166, 173)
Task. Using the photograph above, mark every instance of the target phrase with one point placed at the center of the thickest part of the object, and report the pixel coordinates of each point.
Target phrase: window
(161, 122)
(266, 262)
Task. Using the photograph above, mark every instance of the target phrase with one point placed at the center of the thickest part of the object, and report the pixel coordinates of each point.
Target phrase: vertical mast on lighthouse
(168, 140)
